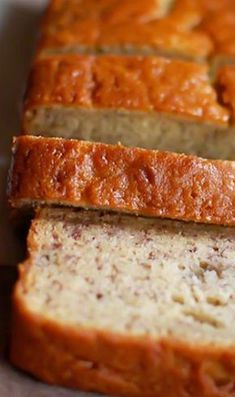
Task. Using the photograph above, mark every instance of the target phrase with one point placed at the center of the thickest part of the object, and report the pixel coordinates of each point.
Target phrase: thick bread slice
(150, 102)
(189, 29)
(127, 306)
(93, 175)
(125, 27)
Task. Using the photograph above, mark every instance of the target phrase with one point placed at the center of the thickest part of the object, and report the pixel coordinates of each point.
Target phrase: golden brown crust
(226, 81)
(215, 5)
(114, 364)
(186, 28)
(138, 181)
(219, 25)
(97, 25)
(131, 83)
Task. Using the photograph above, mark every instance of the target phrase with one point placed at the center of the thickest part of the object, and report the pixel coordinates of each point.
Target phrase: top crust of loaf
(219, 25)
(139, 181)
(192, 29)
(131, 83)
(215, 5)
(164, 26)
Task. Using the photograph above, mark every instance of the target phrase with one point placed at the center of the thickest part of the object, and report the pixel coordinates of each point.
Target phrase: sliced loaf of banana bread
(127, 306)
(139, 181)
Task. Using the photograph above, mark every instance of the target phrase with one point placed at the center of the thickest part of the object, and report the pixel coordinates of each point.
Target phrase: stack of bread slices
(127, 157)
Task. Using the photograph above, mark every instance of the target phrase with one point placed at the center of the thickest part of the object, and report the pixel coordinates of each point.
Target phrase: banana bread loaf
(149, 102)
(143, 182)
(127, 306)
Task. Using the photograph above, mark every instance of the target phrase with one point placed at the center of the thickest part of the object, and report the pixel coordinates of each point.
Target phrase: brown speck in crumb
(114, 273)
(76, 234)
(55, 236)
(147, 266)
(181, 267)
(70, 257)
(89, 280)
(147, 237)
(56, 245)
(193, 250)
(73, 271)
(57, 285)
(48, 299)
(99, 296)
(99, 264)
(44, 259)
(111, 231)
(152, 256)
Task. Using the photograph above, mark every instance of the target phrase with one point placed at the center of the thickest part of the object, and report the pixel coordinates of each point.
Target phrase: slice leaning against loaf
(127, 306)
(118, 178)
(148, 102)
(138, 27)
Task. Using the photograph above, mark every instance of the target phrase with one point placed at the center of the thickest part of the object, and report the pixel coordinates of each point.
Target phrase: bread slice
(148, 102)
(92, 175)
(127, 306)
(125, 27)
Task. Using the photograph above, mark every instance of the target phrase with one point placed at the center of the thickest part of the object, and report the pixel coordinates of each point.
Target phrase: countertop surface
(18, 30)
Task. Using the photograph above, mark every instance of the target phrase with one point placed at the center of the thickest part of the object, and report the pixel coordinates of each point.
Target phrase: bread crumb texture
(133, 275)
(127, 306)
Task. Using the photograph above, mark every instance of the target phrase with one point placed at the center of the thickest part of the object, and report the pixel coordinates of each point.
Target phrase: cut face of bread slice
(138, 181)
(126, 27)
(150, 102)
(127, 306)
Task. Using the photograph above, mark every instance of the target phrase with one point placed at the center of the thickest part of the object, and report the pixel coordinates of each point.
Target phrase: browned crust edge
(55, 81)
(131, 180)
